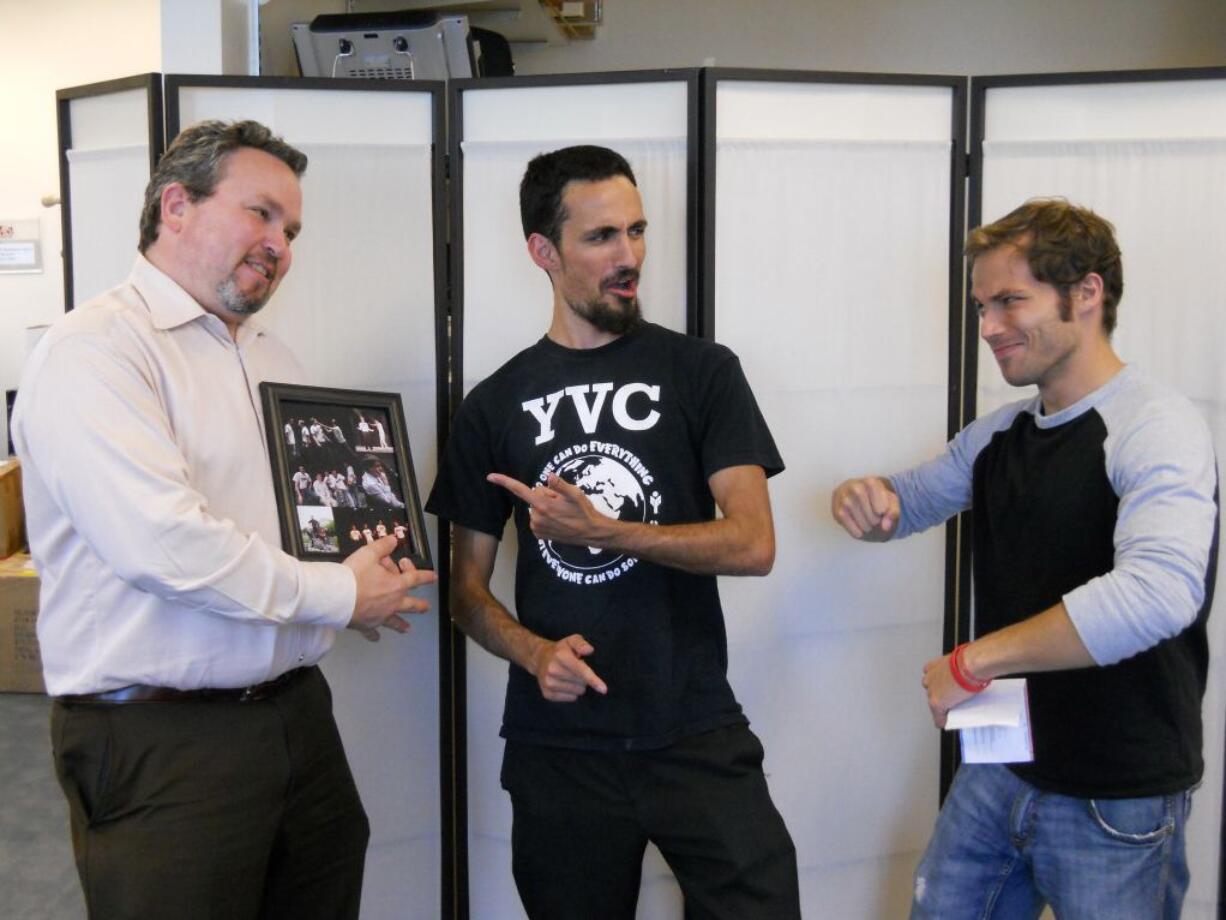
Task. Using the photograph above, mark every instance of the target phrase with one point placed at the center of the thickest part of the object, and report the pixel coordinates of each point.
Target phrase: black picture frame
(352, 447)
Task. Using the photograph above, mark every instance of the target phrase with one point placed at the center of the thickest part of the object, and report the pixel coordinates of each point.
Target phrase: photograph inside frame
(343, 473)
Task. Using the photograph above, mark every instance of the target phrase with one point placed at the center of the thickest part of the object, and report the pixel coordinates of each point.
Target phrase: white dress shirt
(150, 505)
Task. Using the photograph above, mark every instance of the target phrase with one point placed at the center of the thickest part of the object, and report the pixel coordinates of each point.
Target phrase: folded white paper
(995, 724)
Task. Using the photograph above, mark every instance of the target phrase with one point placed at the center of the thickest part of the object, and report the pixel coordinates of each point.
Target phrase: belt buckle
(249, 694)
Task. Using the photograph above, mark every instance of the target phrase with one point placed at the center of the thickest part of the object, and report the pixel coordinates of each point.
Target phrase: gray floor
(37, 876)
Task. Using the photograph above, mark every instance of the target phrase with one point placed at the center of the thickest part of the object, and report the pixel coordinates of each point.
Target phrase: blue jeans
(1003, 848)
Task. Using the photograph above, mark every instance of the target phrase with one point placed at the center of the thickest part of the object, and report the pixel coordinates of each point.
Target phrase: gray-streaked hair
(196, 159)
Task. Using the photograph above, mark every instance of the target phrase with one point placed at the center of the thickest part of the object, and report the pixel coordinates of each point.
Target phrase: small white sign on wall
(20, 251)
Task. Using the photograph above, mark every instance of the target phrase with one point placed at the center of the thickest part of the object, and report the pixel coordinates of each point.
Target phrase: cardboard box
(12, 512)
(21, 668)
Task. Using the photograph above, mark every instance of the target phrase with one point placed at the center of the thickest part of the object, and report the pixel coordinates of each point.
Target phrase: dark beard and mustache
(616, 320)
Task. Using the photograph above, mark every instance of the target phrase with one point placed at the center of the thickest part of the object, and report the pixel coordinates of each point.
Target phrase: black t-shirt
(639, 424)
(1045, 522)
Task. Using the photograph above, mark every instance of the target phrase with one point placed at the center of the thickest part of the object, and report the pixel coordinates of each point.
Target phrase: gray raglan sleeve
(1162, 467)
(933, 492)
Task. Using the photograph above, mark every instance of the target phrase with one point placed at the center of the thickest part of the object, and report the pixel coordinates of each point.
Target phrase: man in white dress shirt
(193, 733)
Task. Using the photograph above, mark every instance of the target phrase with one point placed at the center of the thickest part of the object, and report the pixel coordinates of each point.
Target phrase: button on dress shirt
(150, 505)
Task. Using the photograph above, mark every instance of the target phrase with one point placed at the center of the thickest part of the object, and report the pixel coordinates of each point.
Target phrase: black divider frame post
(980, 86)
(152, 84)
(956, 547)
(456, 849)
(452, 764)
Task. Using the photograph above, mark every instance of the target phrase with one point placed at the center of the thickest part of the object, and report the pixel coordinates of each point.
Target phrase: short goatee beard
(614, 320)
(236, 301)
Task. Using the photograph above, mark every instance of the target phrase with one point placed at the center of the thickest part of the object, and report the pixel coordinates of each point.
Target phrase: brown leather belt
(143, 693)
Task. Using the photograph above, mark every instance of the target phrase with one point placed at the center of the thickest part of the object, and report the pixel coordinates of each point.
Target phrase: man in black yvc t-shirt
(612, 441)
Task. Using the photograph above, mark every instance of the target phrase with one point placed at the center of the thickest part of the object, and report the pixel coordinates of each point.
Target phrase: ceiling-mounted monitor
(407, 45)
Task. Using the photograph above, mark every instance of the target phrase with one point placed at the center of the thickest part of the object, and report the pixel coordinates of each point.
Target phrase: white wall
(50, 46)
(205, 36)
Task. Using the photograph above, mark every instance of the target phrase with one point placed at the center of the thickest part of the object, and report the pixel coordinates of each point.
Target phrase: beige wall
(910, 36)
(915, 36)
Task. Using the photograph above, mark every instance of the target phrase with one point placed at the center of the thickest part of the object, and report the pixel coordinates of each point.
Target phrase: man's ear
(543, 252)
(1088, 294)
(175, 204)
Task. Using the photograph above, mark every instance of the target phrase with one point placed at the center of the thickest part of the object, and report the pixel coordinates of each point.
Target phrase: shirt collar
(1083, 405)
(170, 306)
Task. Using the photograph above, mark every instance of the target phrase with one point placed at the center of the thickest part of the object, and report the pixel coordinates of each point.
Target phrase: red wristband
(962, 677)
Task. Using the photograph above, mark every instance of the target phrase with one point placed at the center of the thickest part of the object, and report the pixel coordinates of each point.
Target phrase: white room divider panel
(832, 233)
(110, 137)
(359, 310)
(1148, 152)
(502, 303)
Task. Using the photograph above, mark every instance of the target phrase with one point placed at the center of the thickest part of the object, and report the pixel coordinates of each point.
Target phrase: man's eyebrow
(614, 228)
(1003, 292)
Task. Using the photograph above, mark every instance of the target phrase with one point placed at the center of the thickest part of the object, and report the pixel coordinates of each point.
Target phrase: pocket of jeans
(1140, 822)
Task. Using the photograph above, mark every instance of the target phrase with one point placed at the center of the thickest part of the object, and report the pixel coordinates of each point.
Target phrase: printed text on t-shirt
(543, 407)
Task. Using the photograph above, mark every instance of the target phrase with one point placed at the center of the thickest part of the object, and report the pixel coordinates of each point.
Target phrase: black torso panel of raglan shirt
(1044, 523)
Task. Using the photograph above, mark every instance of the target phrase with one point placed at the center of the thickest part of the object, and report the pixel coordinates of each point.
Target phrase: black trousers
(581, 822)
(213, 809)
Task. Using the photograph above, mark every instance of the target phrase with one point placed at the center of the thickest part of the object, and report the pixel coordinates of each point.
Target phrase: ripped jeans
(1002, 849)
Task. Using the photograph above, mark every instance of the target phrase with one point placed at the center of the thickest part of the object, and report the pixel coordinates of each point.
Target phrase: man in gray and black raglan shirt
(1095, 533)
(620, 723)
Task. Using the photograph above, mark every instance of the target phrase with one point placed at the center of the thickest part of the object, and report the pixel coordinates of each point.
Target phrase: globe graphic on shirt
(614, 491)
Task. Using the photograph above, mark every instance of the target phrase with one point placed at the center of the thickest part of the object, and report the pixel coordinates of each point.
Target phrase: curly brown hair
(1062, 244)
